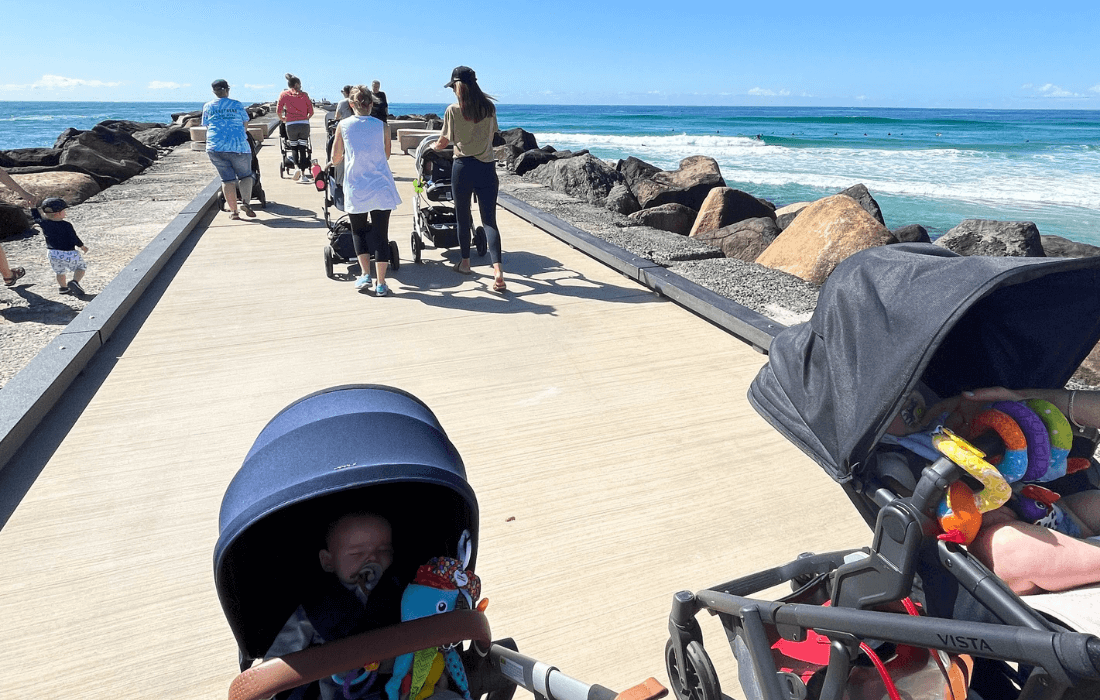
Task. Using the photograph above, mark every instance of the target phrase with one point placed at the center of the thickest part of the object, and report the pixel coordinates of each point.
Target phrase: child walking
(61, 244)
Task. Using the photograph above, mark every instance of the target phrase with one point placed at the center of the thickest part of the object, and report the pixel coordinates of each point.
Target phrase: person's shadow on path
(290, 217)
(40, 309)
(540, 280)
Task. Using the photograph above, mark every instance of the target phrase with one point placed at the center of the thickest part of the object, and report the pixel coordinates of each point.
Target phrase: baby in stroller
(348, 499)
(892, 322)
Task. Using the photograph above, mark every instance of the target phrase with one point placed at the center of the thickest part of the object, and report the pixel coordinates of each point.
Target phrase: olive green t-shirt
(469, 138)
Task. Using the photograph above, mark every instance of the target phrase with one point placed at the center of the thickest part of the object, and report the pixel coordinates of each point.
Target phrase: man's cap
(220, 84)
(52, 205)
(462, 74)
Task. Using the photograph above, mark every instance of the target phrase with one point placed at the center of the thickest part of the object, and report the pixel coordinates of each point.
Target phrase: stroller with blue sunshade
(345, 449)
(889, 320)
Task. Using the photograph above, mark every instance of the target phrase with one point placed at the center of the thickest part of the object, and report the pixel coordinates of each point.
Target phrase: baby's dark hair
(331, 528)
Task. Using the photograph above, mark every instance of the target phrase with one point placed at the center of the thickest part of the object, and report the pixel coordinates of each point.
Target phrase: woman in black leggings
(470, 126)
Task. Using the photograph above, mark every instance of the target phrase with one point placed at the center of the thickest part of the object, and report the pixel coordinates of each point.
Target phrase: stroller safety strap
(302, 667)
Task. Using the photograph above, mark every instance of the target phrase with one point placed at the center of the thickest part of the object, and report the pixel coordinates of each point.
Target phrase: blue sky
(1024, 55)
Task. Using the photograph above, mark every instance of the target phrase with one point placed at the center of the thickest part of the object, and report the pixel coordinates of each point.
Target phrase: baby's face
(356, 541)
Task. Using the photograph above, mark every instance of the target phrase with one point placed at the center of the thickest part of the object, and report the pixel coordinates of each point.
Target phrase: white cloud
(861, 98)
(57, 82)
(1053, 91)
(1095, 88)
(764, 92)
(257, 87)
(166, 85)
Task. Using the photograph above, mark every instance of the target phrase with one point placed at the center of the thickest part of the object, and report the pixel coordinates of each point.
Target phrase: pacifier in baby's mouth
(369, 576)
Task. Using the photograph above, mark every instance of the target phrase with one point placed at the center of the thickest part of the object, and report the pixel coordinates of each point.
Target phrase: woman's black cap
(462, 74)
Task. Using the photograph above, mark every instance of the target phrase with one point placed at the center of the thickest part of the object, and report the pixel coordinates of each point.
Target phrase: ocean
(933, 167)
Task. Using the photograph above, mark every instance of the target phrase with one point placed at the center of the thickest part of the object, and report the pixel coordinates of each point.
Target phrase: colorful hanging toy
(441, 585)
(1037, 439)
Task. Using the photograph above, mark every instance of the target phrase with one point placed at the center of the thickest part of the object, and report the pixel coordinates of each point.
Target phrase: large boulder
(29, 157)
(984, 237)
(521, 139)
(824, 233)
(73, 187)
(863, 197)
(107, 171)
(130, 127)
(1058, 247)
(673, 217)
(635, 169)
(744, 240)
(163, 137)
(724, 206)
(529, 160)
(785, 215)
(584, 177)
(13, 220)
(621, 200)
(913, 233)
(688, 185)
(110, 143)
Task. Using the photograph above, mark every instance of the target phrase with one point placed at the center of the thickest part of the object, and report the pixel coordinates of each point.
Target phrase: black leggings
(297, 139)
(470, 175)
(372, 237)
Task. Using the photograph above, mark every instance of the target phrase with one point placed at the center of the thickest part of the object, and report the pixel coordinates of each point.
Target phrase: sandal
(458, 268)
(16, 273)
(499, 286)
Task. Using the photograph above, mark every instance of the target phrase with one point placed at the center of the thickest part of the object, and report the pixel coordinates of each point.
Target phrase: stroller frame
(434, 216)
(340, 250)
(257, 186)
(286, 159)
(991, 330)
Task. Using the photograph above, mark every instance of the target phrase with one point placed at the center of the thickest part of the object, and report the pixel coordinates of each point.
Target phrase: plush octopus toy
(441, 585)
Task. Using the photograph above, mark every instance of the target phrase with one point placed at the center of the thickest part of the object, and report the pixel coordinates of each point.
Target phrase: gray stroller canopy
(892, 315)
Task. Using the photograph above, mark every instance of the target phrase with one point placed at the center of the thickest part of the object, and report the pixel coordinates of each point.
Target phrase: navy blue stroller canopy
(349, 448)
(894, 315)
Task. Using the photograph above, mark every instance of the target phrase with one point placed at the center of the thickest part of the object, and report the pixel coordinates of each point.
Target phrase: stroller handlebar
(302, 667)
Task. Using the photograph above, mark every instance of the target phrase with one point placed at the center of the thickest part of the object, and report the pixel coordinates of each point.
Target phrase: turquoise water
(933, 167)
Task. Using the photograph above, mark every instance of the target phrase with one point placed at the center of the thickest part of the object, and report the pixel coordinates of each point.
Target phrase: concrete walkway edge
(28, 396)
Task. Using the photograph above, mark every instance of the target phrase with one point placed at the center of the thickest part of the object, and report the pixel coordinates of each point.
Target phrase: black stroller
(398, 463)
(287, 161)
(888, 318)
(257, 187)
(340, 249)
(434, 217)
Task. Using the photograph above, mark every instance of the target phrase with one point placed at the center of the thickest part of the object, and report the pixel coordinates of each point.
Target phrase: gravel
(116, 225)
(778, 295)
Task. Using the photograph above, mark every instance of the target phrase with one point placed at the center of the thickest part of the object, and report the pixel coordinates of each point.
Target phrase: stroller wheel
(480, 241)
(328, 262)
(395, 257)
(699, 681)
(414, 244)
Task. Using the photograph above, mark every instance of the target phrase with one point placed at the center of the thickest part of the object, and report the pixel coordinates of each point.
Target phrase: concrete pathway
(604, 429)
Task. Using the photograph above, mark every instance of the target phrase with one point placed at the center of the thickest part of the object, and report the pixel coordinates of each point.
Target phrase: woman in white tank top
(369, 189)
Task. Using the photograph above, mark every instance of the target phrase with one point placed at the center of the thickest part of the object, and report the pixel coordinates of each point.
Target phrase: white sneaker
(297, 174)
(304, 179)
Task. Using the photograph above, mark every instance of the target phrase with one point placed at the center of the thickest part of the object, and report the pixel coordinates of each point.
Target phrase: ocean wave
(1061, 176)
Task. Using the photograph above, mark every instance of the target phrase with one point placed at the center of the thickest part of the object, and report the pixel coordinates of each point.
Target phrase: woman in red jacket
(295, 109)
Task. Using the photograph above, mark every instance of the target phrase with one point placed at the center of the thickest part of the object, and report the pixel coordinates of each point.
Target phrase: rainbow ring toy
(1061, 437)
(1014, 465)
(959, 515)
(1035, 432)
